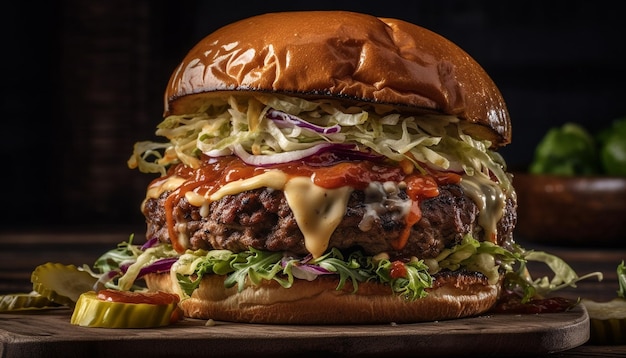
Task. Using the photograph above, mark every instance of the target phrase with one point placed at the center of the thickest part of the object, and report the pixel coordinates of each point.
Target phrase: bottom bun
(319, 302)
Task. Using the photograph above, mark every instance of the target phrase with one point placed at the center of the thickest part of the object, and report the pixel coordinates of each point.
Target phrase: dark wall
(85, 80)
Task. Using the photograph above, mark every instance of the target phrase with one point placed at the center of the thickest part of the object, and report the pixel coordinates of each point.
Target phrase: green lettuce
(254, 266)
(425, 140)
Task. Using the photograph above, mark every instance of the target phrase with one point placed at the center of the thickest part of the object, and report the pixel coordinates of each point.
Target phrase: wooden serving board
(49, 334)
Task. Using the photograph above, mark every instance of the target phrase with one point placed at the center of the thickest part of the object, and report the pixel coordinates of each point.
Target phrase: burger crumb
(210, 322)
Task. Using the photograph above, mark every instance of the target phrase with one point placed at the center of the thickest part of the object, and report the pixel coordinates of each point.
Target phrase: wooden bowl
(577, 211)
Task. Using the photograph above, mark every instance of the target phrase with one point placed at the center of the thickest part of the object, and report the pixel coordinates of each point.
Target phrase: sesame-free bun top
(342, 55)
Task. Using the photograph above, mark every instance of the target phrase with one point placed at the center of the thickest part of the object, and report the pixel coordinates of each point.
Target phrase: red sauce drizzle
(324, 172)
(510, 302)
(398, 270)
(153, 298)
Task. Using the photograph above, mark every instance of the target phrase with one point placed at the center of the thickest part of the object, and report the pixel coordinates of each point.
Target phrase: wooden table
(21, 252)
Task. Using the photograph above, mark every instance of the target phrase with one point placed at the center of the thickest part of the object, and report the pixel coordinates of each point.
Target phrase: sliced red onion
(125, 265)
(282, 118)
(314, 269)
(305, 271)
(341, 151)
(150, 243)
(306, 259)
(159, 266)
(111, 274)
(278, 158)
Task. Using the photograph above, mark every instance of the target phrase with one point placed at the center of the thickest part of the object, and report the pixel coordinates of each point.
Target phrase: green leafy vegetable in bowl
(613, 148)
(568, 150)
(571, 150)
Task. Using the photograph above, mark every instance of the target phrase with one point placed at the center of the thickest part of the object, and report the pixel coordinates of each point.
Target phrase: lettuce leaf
(431, 140)
(254, 266)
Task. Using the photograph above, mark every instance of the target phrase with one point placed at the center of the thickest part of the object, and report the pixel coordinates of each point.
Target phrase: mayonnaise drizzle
(318, 211)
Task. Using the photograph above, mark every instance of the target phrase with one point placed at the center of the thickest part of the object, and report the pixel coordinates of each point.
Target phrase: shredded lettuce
(432, 140)
(521, 281)
(479, 257)
(413, 285)
(148, 257)
(253, 266)
(120, 268)
(258, 266)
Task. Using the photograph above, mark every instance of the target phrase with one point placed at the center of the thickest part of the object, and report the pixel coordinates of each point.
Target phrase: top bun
(342, 55)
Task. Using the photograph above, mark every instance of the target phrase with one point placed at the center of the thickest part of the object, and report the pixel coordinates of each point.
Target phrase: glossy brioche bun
(318, 302)
(342, 55)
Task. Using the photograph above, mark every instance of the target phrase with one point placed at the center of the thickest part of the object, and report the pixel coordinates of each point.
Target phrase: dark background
(84, 80)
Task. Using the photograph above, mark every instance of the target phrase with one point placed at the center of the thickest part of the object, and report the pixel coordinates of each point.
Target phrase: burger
(328, 167)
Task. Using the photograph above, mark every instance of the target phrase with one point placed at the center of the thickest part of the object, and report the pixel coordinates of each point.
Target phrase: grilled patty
(262, 219)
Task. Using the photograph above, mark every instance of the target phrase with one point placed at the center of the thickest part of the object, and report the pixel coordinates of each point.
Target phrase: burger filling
(317, 154)
(281, 188)
(374, 219)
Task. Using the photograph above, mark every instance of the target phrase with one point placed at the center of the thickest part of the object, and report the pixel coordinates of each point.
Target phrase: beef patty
(262, 219)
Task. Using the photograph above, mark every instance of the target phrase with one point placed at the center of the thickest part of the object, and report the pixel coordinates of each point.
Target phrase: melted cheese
(317, 211)
(159, 187)
(170, 183)
(274, 179)
(490, 200)
(381, 198)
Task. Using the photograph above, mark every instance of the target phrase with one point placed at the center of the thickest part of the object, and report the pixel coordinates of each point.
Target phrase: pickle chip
(607, 321)
(91, 311)
(62, 284)
(25, 301)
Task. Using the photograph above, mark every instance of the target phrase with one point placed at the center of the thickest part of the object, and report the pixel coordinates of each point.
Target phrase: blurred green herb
(612, 143)
(571, 150)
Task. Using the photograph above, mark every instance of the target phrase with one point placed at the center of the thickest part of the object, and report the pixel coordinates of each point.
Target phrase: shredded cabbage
(350, 268)
(436, 141)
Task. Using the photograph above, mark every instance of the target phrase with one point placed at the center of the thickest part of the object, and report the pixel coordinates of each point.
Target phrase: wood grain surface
(50, 334)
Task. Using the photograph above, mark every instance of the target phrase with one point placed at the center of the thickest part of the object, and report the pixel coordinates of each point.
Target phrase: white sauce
(318, 211)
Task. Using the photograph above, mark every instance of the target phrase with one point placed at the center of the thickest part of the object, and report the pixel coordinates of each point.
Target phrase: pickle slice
(607, 321)
(90, 311)
(62, 284)
(614, 309)
(24, 301)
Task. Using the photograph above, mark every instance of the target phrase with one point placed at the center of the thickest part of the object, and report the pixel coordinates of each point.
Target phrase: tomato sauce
(153, 298)
(216, 172)
(398, 270)
(512, 303)
(326, 171)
